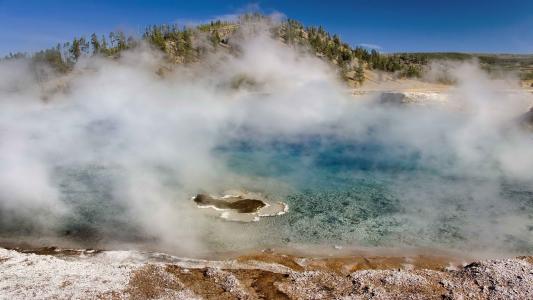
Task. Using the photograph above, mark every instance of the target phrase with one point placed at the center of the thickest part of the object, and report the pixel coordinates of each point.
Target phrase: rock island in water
(241, 206)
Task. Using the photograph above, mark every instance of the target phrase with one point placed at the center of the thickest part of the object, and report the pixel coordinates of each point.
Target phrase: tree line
(178, 44)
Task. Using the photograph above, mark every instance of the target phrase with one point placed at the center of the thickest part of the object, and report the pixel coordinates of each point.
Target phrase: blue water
(372, 193)
(340, 191)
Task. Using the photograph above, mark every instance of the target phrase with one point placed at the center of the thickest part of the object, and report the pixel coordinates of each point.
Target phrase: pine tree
(112, 39)
(95, 44)
(360, 74)
(121, 41)
(75, 49)
(103, 46)
(84, 45)
(154, 36)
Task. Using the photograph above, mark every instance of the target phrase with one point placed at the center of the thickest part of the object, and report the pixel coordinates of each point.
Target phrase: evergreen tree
(50, 57)
(95, 44)
(103, 46)
(112, 39)
(155, 37)
(75, 49)
(121, 41)
(359, 74)
(84, 45)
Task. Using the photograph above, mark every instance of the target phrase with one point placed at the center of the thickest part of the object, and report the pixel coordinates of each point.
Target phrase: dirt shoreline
(315, 251)
(50, 272)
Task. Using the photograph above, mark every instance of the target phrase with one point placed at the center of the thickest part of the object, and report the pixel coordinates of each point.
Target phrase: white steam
(150, 138)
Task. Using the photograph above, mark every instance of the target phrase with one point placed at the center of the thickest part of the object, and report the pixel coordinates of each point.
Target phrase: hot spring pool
(365, 193)
(368, 185)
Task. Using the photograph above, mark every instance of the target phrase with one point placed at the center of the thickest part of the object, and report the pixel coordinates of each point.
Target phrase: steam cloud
(143, 138)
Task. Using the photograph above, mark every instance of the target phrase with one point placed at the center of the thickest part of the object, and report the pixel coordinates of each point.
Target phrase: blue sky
(415, 25)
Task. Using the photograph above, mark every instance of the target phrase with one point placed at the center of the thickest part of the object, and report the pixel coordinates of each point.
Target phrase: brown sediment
(529, 259)
(217, 284)
(482, 280)
(236, 203)
(150, 282)
(281, 259)
(270, 275)
(53, 251)
(198, 282)
(299, 260)
(348, 264)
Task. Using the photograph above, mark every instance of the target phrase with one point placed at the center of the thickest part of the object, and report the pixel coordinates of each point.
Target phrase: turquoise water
(370, 193)
(361, 190)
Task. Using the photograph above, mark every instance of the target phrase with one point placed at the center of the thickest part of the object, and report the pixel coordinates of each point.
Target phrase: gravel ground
(126, 275)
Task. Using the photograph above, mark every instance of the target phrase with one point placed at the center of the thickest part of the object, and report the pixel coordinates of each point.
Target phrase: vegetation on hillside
(188, 45)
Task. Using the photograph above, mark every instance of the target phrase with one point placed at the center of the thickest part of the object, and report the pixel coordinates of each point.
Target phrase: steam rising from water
(116, 150)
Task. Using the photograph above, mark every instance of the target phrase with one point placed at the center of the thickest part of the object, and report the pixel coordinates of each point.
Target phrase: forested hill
(190, 44)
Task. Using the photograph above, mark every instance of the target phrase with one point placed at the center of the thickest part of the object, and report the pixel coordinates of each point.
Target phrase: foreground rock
(133, 275)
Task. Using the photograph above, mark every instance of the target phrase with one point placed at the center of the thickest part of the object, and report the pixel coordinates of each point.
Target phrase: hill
(185, 45)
